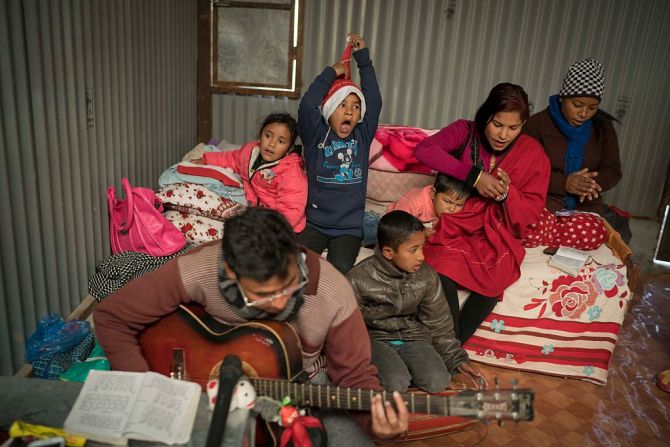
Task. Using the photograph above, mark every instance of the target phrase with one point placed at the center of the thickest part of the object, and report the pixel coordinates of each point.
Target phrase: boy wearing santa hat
(337, 121)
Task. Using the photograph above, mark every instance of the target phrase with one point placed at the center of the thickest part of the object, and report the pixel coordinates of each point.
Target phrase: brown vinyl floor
(629, 411)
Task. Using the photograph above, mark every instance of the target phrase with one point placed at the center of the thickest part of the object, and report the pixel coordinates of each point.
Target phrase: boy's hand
(357, 42)
(339, 68)
(473, 374)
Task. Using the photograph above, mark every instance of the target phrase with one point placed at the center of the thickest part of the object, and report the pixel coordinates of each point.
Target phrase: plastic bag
(52, 366)
(53, 335)
(78, 372)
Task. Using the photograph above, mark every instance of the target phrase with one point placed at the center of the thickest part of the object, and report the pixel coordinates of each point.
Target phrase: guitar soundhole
(247, 370)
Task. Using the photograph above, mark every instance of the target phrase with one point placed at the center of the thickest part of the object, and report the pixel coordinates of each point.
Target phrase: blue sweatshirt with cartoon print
(337, 168)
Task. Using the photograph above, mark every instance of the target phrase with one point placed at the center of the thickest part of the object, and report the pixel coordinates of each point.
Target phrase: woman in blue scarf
(579, 140)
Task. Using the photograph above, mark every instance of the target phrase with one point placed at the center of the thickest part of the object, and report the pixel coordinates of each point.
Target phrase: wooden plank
(83, 310)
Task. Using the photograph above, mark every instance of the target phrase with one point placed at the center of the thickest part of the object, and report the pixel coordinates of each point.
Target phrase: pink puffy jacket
(280, 185)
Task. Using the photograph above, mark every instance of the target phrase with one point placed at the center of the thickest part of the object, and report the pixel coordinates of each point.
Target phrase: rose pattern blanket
(554, 323)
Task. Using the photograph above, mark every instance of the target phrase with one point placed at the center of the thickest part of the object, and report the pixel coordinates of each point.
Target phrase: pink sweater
(418, 203)
(280, 185)
(439, 149)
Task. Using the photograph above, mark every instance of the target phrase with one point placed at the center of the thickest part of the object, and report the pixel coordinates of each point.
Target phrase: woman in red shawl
(479, 248)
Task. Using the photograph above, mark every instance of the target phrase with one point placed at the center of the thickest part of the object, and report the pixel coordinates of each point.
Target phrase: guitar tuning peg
(496, 381)
(515, 383)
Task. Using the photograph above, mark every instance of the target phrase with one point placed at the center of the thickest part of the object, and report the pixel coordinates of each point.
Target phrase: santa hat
(342, 87)
(584, 78)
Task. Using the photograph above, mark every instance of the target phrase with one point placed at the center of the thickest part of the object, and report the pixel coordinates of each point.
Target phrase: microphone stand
(231, 371)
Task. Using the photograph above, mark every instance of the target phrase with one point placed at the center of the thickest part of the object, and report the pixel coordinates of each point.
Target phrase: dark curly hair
(259, 244)
(281, 118)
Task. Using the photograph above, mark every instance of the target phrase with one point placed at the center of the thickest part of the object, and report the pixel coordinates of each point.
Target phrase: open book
(569, 260)
(114, 406)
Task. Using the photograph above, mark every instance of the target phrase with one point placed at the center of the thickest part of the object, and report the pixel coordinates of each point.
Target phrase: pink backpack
(136, 223)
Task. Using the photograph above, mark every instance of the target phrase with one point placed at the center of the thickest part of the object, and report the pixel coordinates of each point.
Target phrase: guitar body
(267, 349)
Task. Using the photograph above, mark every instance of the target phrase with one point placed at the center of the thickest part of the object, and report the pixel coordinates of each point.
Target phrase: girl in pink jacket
(272, 174)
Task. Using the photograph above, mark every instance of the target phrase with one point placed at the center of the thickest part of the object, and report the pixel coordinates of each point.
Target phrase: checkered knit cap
(584, 78)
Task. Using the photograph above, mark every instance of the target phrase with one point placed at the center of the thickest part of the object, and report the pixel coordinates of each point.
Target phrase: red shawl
(480, 246)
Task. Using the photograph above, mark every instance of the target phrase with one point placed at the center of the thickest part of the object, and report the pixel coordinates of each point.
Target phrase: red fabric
(480, 247)
(398, 144)
(346, 60)
(342, 80)
(583, 231)
(620, 212)
(296, 427)
(208, 171)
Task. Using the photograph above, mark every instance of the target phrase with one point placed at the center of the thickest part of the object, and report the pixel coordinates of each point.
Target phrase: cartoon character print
(346, 172)
(267, 175)
(341, 164)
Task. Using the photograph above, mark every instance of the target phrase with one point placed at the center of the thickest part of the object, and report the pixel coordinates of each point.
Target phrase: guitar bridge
(177, 365)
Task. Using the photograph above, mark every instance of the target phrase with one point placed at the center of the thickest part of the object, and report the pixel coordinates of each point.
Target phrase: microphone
(231, 370)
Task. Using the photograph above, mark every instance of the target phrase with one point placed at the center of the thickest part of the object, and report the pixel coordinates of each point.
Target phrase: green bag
(79, 371)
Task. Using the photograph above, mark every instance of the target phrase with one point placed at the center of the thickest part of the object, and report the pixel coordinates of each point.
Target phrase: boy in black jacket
(405, 311)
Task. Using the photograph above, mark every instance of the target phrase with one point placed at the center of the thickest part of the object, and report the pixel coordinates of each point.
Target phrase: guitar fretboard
(328, 396)
(515, 404)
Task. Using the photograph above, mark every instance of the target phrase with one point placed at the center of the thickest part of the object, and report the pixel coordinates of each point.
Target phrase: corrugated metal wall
(436, 60)
(90, 91)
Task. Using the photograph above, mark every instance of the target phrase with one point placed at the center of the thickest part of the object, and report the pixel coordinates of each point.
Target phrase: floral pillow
(196, 229)
(191, 198)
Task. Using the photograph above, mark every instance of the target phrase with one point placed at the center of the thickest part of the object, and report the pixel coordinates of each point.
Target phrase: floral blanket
(554, 323)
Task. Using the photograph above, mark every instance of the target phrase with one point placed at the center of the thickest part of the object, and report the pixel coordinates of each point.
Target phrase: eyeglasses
(275, 296)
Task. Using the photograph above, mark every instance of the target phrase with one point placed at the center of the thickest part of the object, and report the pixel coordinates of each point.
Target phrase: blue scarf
(577, 139)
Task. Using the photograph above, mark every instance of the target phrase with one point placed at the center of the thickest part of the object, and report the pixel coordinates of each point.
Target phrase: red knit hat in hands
(342, 87)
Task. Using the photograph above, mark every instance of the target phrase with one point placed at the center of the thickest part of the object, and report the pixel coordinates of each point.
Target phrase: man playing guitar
(258, 272)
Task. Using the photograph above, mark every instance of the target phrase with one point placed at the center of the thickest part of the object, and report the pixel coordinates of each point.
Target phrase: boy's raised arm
(309, 114)
(370, 88)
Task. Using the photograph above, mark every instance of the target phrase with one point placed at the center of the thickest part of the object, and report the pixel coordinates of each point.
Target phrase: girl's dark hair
(599, 121)
(259, 244)
(445, 183)
(395, 227)
(504, 97)
(281, 118)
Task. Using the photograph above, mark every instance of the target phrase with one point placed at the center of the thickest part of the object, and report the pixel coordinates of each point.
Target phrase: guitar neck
(499, 404)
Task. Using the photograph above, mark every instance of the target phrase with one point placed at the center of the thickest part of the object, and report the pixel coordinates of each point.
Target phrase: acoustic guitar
(272, 359)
